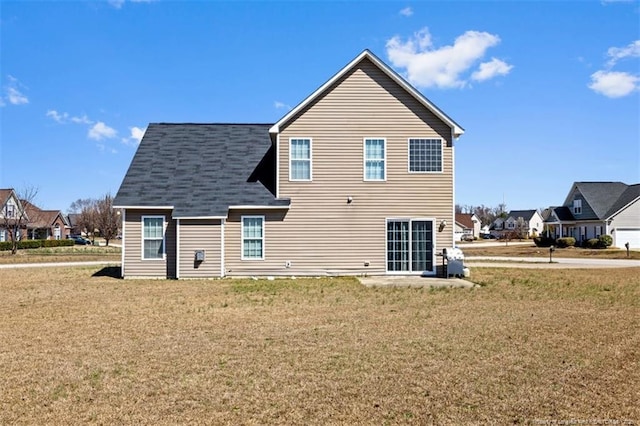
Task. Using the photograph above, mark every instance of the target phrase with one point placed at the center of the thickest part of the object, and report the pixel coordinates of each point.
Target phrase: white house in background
(592, 209)
(467, 224)
(530, 222)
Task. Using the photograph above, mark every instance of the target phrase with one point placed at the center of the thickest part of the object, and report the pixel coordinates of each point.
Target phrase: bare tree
(15, 218)
(88, 218)
(107, 219)
(80, 204)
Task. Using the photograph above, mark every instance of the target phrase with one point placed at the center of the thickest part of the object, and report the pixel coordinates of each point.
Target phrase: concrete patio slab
(414, 282)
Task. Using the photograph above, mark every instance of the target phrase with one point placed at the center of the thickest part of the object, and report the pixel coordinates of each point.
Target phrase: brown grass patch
(532, 251)
(61, 254)
(78, 347)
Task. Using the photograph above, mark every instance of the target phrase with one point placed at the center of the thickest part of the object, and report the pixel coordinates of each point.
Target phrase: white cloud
(13, 95)
(101, 131)
(56, 116)
(617, 53)
(135, 137)
(493, 68)
(281, 105)
(64, 117)
(407, 11)
(444, 67)
(617, 84)
(116, 3)
(614, 84)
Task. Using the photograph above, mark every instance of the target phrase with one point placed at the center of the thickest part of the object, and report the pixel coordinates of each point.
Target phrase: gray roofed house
(592, 209)
(201, 169)
(319, 192)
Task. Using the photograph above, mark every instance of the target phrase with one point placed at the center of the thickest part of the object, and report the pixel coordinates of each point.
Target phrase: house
(358, 178)
(12, 215)
(526, 223)
(45, 224)
(592, 209)
(467, 224)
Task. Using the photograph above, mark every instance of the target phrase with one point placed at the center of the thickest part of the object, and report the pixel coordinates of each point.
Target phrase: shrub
(605, 241)
(57, 243)
(543, 241)
(28, 244)
(591, 243)
(5, 245)
(566, 242)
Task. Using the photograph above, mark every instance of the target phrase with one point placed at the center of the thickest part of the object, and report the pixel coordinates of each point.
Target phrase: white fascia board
(197, 217)
(457, 130)
(623, 208)
(259, 207)
(143, 207)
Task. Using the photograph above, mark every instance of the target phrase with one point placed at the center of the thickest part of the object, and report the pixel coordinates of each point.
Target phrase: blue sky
(548, 92)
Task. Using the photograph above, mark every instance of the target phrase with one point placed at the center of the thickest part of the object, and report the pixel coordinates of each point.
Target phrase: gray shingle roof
(201, 169)
(524, 214)
(631, 193)
(601, 196)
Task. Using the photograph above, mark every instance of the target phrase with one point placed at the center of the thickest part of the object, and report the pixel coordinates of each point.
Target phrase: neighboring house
(73, 220)
(358, 178)
(527, 223)
(467, 224)
(45, 224)
(11, 210)
(592, 209)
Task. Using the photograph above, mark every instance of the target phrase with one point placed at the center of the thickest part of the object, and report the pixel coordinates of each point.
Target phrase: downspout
(177, 249)
(124, 241)
(222, 221)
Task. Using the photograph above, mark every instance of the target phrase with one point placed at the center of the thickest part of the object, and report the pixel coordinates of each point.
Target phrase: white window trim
(577, 206)
(291, 179)
(364, 159)
(425, 172)
(164, 236)
(242, 218)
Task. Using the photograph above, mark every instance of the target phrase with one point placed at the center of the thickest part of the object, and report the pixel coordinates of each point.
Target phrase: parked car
(79, 240)
(489, 237)
(467, 237)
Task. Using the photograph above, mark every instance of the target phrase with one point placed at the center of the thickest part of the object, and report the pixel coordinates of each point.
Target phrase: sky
(548, 92)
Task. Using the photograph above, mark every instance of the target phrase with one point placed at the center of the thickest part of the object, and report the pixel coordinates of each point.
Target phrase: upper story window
(300, 159)
(10, 210)
(252, 237)
(425, 155)
(152, 237)
(577, 206)
(374, 159)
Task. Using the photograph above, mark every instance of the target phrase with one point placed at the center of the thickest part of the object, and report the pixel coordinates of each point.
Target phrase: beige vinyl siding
(321, 232)
(628, 217)
(202, 234)
(134, 265)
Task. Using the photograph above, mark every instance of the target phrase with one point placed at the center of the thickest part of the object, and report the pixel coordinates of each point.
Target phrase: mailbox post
(627, 246)
(551, 250)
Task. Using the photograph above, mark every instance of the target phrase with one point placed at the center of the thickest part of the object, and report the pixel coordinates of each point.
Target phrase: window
(252, 237)
(300, 159)
(10, 210)
(577, 206)
(3, 235)
(425, 155)
(374, 159)
(152, 237)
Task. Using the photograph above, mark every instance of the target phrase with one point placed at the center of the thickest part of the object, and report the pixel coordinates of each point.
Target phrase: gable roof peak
(366, 53)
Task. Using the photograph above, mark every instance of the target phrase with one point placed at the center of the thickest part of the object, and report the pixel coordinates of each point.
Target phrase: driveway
(541, 262)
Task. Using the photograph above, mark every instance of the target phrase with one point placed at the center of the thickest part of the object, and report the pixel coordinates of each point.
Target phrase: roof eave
(457, 130)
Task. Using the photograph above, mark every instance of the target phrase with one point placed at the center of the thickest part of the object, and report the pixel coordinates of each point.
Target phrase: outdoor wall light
(349, 199)
(443, 223)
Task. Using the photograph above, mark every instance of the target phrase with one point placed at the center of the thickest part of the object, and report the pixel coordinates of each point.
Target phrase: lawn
(477, 249)
(526, 346)
(62, 254)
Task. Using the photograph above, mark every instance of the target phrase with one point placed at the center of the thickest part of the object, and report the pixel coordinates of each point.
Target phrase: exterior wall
(204, 234)
(628, 221)
(322, 231)
(133, 264)
(587, 211)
